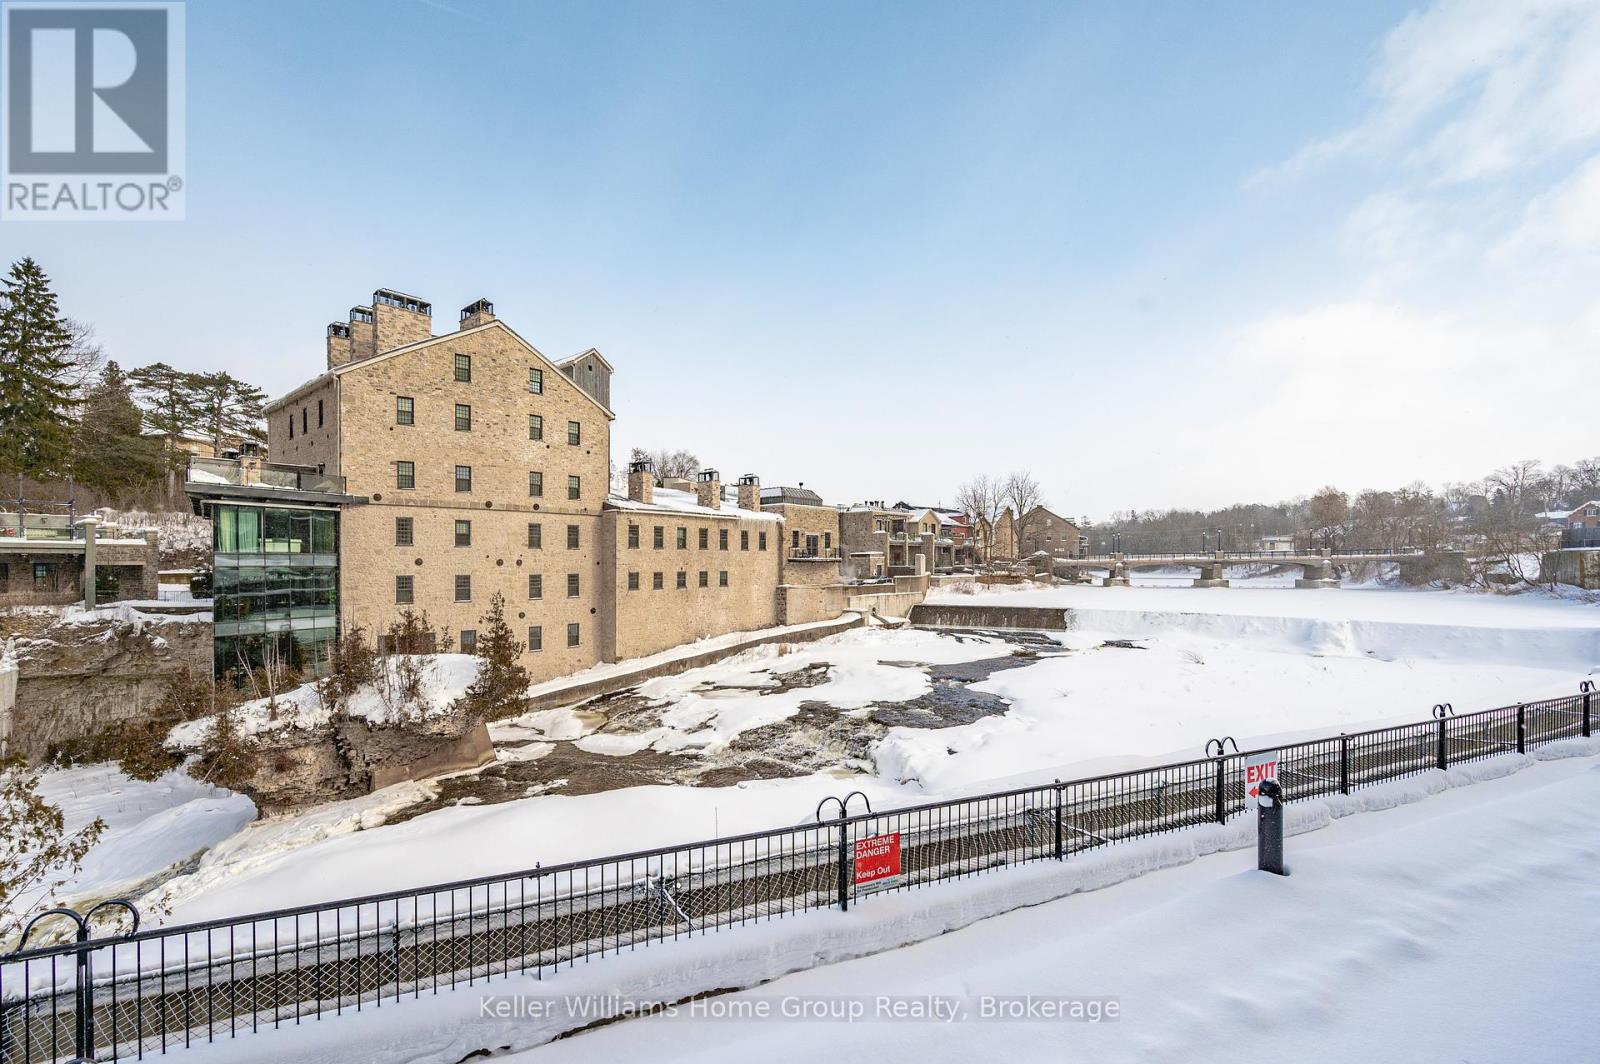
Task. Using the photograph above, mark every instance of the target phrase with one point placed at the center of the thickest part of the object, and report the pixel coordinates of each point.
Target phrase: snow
(1457, 608)
(151, 828)
(445, 678)
(1412, 931)
(694, 717)
(670, 500)
(1279, 672)
(259, 844)
(132, 611)
(608, 670)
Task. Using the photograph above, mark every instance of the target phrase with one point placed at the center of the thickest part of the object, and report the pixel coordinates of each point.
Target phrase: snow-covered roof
(670, 500)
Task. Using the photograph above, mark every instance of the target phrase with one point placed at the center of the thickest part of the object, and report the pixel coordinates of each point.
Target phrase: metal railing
(203, 471)
(1308, 553)
(153, 990)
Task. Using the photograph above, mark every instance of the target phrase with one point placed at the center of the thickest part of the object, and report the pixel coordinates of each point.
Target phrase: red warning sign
(1258, 769)
(877, 861)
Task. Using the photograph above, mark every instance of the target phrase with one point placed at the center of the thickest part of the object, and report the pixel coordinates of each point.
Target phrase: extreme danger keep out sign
(877, 862)
(1258, 769)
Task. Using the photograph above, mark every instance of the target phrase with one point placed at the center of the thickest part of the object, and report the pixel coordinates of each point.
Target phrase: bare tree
(1022, 493)
(981, 500)
(669, 465)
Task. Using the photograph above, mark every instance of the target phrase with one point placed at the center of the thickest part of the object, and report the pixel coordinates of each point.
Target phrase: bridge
(1317, 566)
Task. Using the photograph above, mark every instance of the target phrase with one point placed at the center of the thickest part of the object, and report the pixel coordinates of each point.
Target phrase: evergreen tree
(36, 376)
(108, 452)
(227, 408)
(169, 399)
(502, 682)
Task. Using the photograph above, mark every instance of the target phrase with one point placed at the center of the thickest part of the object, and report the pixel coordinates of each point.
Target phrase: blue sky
(1158, 254)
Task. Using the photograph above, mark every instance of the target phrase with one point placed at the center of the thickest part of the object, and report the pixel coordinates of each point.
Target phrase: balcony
(38, 527)
(227, 472)
(821, 554)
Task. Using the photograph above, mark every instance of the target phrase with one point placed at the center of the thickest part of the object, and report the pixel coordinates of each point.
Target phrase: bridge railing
(151, 991)
(1197, 556)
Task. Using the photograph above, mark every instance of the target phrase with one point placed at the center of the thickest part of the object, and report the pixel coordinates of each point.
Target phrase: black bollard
(1269, 829)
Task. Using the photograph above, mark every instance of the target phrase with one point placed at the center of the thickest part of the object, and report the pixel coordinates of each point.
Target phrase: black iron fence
(149, 991)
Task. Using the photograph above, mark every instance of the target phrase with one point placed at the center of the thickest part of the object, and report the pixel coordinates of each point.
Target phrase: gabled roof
(351, 367)
(593, 352)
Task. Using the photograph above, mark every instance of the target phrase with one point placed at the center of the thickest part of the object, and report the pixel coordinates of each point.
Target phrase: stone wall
(1580, 568)
(79, 681)
(1024, 618)
(643, 620)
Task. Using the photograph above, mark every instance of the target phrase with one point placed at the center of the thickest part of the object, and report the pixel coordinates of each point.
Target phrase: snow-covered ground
(1447, 917)
(151, 828)
(1258, 665)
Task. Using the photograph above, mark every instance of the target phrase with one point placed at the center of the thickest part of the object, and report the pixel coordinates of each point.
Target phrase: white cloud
(1366, 394)
(1469, 89)
(1566, 218)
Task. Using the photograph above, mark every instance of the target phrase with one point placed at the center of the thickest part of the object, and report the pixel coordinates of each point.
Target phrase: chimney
(476, 314)
(641, 481)
(340, 348)
(708, 489)
(749, 492)
(363, 335)
(399, 319)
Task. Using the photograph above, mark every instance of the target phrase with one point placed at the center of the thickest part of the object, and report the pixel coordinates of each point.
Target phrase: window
(574, 434)
(744, 539)
(463, 587)
(683, 578)
(656, 537)
(633, 581)
(795, 543)
(536, 485)
(705, 578)
(572, 537)
(463, 367)
(705, 538)
(305, 426)
(572, 585)
(827, 541)
(722, 539)
(463, 533)
(405, 410)
(535, 639)
(633, 537)
(463, 417)
(535, 585)
(761, 541)
(469, 640)
(535, 535)
(404, 590)
(683, 538)
(404, 532)
(657, 581)
(405, 474)
(319, 413)
(722, 578)
(463, 478)
(574, 487)
(574, 633)
(535, 427)
(535, 380)
(291, 425)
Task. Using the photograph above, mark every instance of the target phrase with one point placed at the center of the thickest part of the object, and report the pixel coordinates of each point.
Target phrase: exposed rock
(79, 680)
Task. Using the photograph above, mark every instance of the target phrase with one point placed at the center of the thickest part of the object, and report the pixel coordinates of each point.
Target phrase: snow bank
(263, 842)
(445, 678)
(151, 828)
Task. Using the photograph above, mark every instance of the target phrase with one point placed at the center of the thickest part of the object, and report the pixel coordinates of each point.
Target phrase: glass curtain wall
(275, 586)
